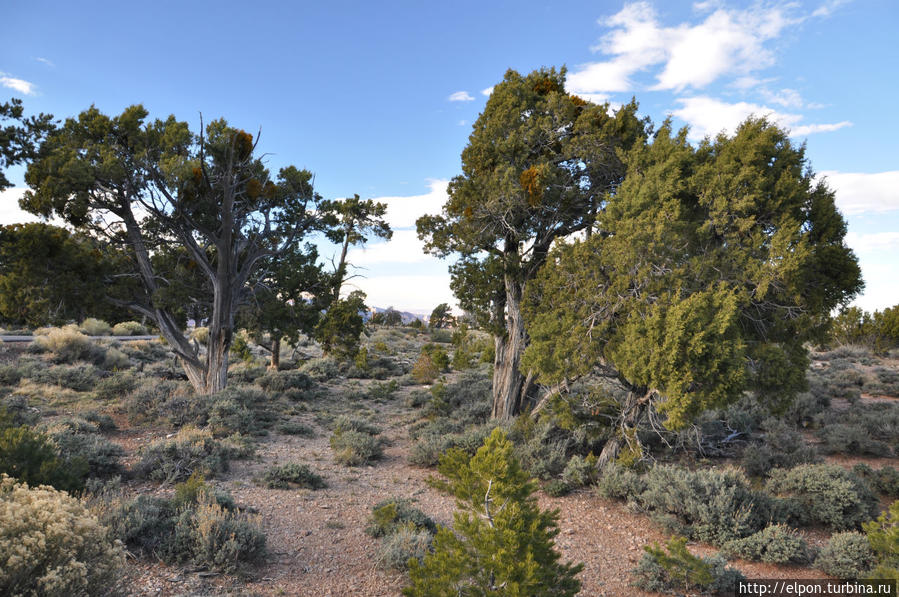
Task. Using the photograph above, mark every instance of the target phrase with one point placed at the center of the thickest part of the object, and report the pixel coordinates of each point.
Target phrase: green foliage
(717, 264)
(861, 429)
(537, 167)
(95, 327)
(503, 543)
(883, 536)
(49, 275)
(878, 331)
(580, 471)
(198, 525)
(425, 371)
(103, 457)
(341, 326)
(51, 545)
(218, 202)
(404, 544)
(354, 448)
(33, 458)
(780, 447)
(291, 475)
(827, 494)
(674, 568)
(190, 450)
(294, 428)
(20, 136)
(847, 555)
(884, 480)
(775, 544)
(441, 316)
(116, 386)
(355, 221)
(129, 328)
(390, 515)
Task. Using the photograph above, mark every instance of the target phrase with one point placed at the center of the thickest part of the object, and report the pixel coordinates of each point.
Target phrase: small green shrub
(115, 359)
(841, 438)
(390, 515)
(382, 391)
(103, 422)
(847, 555)
(52, 545)
(280, 381)
(291, 475)
(129, 328)
(191, 450)
(775, 544)
(620, 483)
(354, 448)
(344, 423)
(33, 458)
(827, 494)
(401, 546)
(69, 345)
(9, 375)
(580, 471)
(103, 457)
(81, 378)
(511, 545)
(884, 480)
(425, 371)
(674, 569)
(116, 386)
(781, 447)
(321, 369)
(198, 525)
(95, 327)
(883, 537)
(294, 428)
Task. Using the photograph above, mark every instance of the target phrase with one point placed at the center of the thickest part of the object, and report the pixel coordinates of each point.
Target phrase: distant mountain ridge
(408, 316)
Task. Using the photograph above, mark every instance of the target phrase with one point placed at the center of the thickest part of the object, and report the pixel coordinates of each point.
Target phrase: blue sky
(378, 98)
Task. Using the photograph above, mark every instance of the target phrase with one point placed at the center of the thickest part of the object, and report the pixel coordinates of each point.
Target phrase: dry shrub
(52, 545)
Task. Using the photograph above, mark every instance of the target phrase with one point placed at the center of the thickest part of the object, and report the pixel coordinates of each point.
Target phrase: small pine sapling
(502, 543)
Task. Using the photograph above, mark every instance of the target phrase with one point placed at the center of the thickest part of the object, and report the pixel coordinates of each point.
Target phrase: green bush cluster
(847, 555)
(190, 450)
(825, 494)
(405, 532)
(869, 429)
(129, 328)
(198, 525)
(883, 537)
(673, 569)
(290, 475)
(95, 327)
(116, 386)
(775, 544)
(884, 480)
(51, 545)
(780, 447)
(282, 381)
(33, 458)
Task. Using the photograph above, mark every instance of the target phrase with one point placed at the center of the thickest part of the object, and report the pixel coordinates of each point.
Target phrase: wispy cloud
(487, 91)
(727, 43)
(708, 116)
(45, 61)
(860, 193)
(22, 86)
(875, 242)
(403, 211)
(460, 96)
(827, 8)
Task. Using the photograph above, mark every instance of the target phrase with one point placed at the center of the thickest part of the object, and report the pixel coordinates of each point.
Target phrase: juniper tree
(538, 166)
(717, 265)
(153, 186)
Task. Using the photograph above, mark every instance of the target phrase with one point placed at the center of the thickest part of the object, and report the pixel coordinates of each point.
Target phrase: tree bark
(276, 353)
(508, 381)
(634, 408)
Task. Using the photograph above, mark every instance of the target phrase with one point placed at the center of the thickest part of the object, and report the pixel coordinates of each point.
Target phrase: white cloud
(20, 85)
(826, 9)
(859, 193)
(487, 91)
(875, 242)
(709, 116)
(788, 98)
(417, 293)
(403, 211)
(460, 96)
(10, 213)
(404, 247)
(728, 42)
(881, 285)
(45, 61)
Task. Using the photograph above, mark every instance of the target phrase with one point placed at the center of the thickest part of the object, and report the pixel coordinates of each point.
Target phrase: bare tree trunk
(508, 382)
(276, 353)
(634, 408)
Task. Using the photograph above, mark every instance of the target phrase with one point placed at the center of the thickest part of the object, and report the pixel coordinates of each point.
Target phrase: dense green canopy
(716, 265)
